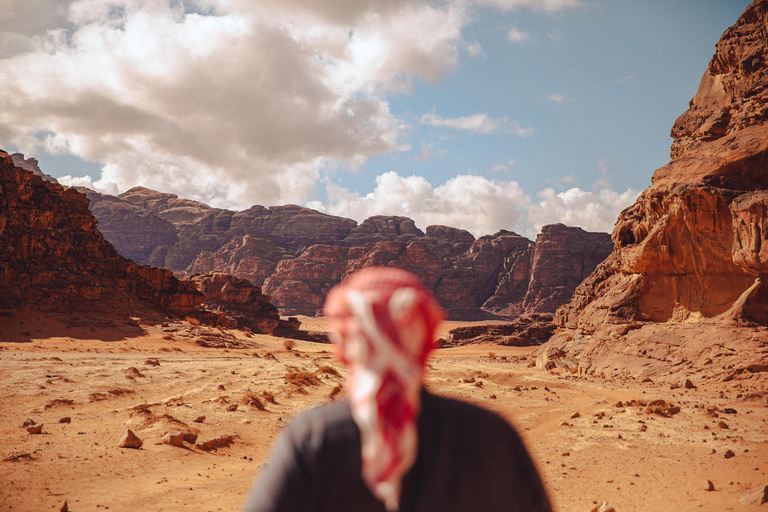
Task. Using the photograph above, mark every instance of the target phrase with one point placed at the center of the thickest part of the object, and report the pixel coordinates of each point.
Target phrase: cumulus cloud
(477, 123)
(475, 50)
(517, 36)
(557, 98)
(593, 211)
(477, 204)
(474, 203)
(540, 5)
(231, 102)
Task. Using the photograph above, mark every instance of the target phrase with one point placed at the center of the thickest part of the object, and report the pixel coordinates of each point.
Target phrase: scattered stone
(199, 419)
(723, 425)
(130, 440)
(619, 404)
(493, 397)
(190, 437)
(709, 486)
(174, 438)
(729, 454)
(575, 415)
(64, 507)
(132, 373)
(65, 419)
(217, 442)
(232, 408)
(134, 320)
(28, 423)
(566, 454)
(565, 424)
(152, 362)
(35, 429)
(673, 410)
(728, 410)
(603, 507)
(689, 385)
(633, 473)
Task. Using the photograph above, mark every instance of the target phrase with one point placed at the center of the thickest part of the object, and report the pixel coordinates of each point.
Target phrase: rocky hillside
(297, 254)
(52, 257)
(692, 253)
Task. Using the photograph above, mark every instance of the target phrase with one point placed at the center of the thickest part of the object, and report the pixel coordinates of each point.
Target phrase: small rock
(619, 404)
(633, 473)
(134, 320)
(566, 454)
(64, 507)
(729, 454)
(603, 507)
(232, 408)
(728, 410)
(35, 429)
(643, 428)
(65, 419)
(565, 424)
(28, 423)
(710, 486)
(722, 424)
(575, 415)
(673, 410)
(152, 362)
(689, 385)
(174, 438)
(130, 440)
(190, 437)
(199, 419)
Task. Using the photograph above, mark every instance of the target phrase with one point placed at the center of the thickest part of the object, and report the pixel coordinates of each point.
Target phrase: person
(391, 445)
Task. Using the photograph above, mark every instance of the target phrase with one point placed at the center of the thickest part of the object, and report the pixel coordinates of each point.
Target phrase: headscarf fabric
(383, 322)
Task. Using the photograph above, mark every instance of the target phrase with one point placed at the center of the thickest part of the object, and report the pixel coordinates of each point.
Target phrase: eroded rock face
(562, 258)
(239, 300)
(298, 254)
(52, 257)
(692, 247)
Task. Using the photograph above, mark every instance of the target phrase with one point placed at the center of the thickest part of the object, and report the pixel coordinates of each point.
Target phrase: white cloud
(476, 51)
(539, 5)
(557, 98)
(517, 36)
(474, 203)
(593, 211)
(477, 123)
(239, 103)
(477, 204)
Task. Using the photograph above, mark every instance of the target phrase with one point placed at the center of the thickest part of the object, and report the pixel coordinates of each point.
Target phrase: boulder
(129, 440)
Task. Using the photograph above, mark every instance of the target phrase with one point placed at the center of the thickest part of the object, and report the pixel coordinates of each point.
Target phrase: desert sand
(154, 378)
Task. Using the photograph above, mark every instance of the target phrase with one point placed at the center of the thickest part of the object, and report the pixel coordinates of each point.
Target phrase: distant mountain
(298, 254)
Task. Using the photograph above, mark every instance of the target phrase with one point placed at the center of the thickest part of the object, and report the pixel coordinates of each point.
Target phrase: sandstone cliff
(52, 257)
(693, 247)
(297, 254)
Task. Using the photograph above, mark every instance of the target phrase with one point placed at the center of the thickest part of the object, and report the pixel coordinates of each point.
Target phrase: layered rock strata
(693, 246)
(297, 254)
(52, 257)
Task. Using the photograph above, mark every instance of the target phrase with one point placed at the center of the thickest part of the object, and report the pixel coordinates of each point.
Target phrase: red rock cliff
(52, 257)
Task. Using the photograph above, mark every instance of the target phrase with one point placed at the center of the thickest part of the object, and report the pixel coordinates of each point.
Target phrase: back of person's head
(383, 322)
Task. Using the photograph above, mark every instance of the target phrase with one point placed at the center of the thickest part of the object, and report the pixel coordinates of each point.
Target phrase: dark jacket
(469, 459)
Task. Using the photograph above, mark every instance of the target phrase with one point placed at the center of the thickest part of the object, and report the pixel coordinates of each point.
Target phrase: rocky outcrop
(31, 165)
(526, 331)
(692, 247)
(52, 257)
(298, 254)
(562, 258)
(246, 256)
(242, 303)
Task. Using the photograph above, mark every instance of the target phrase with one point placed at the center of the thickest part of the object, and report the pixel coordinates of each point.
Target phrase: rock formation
(241, 303)
(693, 247)
(297, 254)
(52, 257)
(525, 331)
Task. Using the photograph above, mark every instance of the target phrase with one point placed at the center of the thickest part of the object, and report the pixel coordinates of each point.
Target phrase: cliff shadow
(26, 326)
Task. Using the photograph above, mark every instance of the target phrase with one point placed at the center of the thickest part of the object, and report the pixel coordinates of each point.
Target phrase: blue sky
(484, 114)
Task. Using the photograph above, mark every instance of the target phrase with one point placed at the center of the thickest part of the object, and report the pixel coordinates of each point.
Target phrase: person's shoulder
(318, 422)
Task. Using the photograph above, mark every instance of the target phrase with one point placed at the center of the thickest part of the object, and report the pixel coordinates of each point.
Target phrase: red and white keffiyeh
(383, 322)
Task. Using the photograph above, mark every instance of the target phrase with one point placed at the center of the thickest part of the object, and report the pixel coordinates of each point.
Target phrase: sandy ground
(103, 377)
